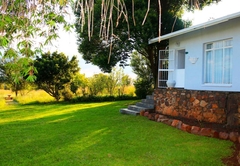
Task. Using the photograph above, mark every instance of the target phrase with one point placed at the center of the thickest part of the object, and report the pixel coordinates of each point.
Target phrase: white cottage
(203, 57)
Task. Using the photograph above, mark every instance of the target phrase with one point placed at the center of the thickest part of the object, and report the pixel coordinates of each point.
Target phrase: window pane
(209, 63)
(218, 66)
(218, 62)
(209, 46)
(227, 66)
(218, 44)
(228, 43)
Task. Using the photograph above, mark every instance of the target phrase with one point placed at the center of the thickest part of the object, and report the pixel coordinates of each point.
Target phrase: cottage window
(218, 62)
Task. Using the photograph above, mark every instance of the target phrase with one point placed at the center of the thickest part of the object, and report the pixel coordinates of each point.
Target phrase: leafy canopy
(26, 26)
(129, 34)
(54, 71)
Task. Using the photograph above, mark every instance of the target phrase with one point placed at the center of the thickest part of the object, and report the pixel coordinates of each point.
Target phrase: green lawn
(97, 134)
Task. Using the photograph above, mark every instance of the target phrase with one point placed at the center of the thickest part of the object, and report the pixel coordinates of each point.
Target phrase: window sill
(217, 85)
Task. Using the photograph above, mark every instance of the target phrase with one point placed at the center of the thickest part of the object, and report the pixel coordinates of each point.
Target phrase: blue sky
(67, 41)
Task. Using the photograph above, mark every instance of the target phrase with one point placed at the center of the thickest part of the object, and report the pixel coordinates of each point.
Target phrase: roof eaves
(194, 28)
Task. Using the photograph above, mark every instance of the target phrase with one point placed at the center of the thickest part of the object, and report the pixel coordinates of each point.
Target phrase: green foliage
(79, 81)
(143, 88)
(67, 94)
(129, 35)
(141, 67)
(117, 79)
(16, 71)
(97, 84)
(102, 98)
(26, 27)
(54, 71)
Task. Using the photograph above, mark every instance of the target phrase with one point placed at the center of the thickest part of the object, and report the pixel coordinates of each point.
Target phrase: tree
(130, 34)
(144, 83)
(23, 21)
(54, 71)
(112, 81)
(27, 26)
(97, 83)
(125, 81)
(12, 71)
(79, 81)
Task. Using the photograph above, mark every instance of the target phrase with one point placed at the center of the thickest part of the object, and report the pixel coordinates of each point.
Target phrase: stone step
(150, 97)
(145, 105)
(128, 111)
(149, 101)
(136, 108)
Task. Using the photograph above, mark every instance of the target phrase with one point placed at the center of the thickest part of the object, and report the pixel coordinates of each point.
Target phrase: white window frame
(213, 49)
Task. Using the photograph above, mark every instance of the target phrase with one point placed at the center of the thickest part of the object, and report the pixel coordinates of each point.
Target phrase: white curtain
(209, 64)
(227, 66)
(218, 66)
(219, 62)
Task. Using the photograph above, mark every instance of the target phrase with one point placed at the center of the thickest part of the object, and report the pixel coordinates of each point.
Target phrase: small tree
(12, 71)
(54, 71)
(112, 81)
(141, 67)
(125, 81)
(97, 83)
(79, 81)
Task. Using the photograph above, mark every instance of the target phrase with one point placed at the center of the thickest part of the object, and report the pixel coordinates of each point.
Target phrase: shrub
(102, 98)
(67, 94)
(143, 88)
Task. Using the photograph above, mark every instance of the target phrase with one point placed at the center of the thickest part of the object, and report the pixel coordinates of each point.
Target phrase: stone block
(223, 135)
(214, 106)
(142, 113)
(179, 126)
(175, 122)
(195, 130)
(207, 115)
(162, 117)
(196, 102)
(206, 132)
(167, 121)
(192, 99)
(175, 113)
(156, 117)
(203, 103)
(164, 120)
(215, 134)
(233, 136)
(213, 119)
(151, 116)
(168, 111)
(186, 127)
(199, 118)
(146, 114)
(219, 111)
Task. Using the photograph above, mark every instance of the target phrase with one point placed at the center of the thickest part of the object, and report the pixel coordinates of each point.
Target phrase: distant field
(96, 134)
(28, 96)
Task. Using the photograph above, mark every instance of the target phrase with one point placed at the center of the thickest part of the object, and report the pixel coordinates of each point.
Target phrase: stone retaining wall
(208, 106)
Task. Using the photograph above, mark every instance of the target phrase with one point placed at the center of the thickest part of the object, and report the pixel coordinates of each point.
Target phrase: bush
(102, 98)
(67, 94)
(143, 88)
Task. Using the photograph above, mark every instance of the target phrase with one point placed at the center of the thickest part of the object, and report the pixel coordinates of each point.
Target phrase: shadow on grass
(96, 134)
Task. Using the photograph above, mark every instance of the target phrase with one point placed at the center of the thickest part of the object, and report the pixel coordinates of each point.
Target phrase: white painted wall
(193, 43)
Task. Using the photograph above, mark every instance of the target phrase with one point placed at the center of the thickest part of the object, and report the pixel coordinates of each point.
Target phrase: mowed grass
(97, 134)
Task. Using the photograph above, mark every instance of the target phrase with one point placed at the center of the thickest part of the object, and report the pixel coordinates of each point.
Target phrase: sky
(67, 42)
